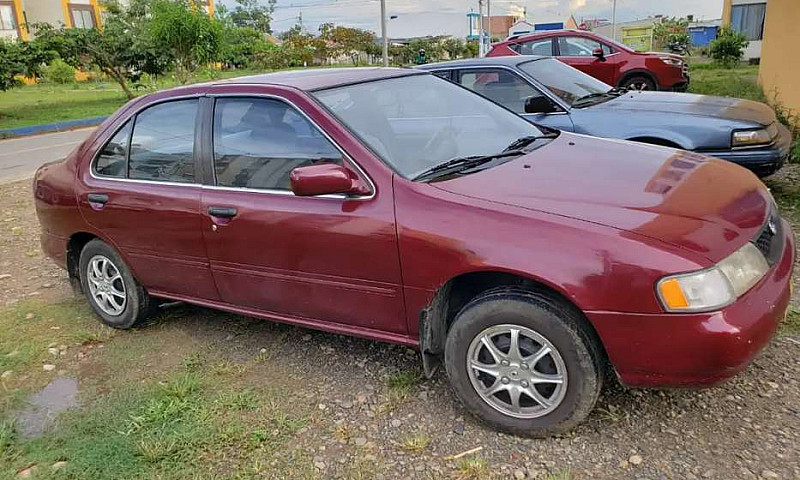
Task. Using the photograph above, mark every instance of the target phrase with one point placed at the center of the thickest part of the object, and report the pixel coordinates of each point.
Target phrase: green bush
(728, 48)
(59, 72)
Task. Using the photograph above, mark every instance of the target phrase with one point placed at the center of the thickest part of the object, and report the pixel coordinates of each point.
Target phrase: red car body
(596, 221)
(617, 65)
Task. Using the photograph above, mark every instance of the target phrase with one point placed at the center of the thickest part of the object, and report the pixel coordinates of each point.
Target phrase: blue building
(702, 34)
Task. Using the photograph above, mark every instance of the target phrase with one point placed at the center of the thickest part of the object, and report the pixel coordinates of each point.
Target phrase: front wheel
(113, 293)
(523, 362)
(639, 82)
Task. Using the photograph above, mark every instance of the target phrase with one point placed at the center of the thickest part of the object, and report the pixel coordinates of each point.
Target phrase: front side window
(536, 47)
(162, 146)
(580, 47)
(749, 20)
(417, 121)
(114, 155)
(567, 83)
(258, 142)
(501, 86)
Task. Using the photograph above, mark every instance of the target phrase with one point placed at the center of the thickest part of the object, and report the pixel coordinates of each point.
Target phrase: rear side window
(537, 47)
(113, 158)
(259, 141)
(580, 47)
(162, 145)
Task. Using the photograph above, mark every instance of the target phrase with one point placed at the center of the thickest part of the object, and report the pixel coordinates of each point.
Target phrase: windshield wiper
(523, 142)
(463, 163)
(597, 95)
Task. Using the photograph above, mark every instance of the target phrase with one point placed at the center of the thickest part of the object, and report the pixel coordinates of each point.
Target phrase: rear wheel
(115, 296)
(639, 82)
(523, 362)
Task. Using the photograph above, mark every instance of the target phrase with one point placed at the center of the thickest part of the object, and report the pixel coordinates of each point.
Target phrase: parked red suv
(604, 59)
(395, 205)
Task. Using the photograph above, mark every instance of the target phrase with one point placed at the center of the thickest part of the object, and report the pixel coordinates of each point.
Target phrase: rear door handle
(222, 212)
(99, 198)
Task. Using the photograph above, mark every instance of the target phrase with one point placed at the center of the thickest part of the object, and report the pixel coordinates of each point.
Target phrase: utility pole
(482, 32)
(383, 34)
(614, 20)
(489, 18)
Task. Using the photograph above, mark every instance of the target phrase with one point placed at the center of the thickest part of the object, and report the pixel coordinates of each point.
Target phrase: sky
(448, 17)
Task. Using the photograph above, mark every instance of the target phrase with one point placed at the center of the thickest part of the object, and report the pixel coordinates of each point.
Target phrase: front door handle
(222, 212)
(98, 198)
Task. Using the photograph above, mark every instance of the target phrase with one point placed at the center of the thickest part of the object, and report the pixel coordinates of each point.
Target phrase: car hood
(691, 104)
(707, 206)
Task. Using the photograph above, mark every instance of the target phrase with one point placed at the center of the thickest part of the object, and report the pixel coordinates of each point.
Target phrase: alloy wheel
(106, 285)
(517, 371)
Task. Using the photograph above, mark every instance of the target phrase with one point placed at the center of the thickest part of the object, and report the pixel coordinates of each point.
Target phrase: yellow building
(16, 14)
(779, 72)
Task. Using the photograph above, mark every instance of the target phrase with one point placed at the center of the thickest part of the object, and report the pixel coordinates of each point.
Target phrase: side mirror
(539, 104)
(325, 179)
(598, 52)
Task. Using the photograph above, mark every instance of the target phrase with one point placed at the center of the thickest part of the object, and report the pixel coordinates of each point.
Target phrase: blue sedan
(550, 93)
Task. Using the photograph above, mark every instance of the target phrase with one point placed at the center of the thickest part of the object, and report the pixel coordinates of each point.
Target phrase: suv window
(580, 47)
(535, 47)
(500, 86)
(114, 155)
(162, 145)
(258, 142)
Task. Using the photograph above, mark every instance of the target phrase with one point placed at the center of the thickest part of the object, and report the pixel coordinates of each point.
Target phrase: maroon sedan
(394, 205)
(606, 60)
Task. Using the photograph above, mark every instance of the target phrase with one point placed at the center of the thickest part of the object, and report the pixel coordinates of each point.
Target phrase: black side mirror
(598, 52)
(539, 104)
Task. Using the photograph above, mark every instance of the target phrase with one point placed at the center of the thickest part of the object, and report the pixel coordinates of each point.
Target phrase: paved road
(20, 157)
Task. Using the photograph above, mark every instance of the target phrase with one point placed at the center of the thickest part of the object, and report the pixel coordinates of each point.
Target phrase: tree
(123, 49)
(346, 41)
(186, 33)
(301, 47)
(728, 48)
(251, 14)
(22, 58)
(454, 47)
(671, 34)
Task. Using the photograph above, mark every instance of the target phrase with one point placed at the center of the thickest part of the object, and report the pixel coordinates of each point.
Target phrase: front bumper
(691, 350)
(761, 161)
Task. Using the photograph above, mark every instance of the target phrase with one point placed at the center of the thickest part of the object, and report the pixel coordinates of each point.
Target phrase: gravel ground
(745, 429)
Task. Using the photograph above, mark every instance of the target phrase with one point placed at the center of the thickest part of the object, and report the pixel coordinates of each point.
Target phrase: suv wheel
(115, 296)
(639, 82)
(523, 362)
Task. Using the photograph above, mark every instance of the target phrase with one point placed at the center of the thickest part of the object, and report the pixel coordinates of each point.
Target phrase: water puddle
(59, 395)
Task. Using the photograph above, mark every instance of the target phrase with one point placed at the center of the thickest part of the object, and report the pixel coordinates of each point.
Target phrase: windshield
(567, 83)
(419, 121)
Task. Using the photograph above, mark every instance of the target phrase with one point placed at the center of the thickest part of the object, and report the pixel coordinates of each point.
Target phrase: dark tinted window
(111, 161)
(500, 86)
(535, 47)
(163, 143)
(258, 142)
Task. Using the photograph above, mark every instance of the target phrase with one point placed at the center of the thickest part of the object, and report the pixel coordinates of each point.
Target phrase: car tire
(112, 291)
(542, 322)
(639, 82)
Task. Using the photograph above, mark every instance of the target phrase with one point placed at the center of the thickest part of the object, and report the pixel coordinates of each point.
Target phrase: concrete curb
(51, 127)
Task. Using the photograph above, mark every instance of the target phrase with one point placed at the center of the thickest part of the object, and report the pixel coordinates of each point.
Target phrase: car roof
(320, 78)
(510, 61)
(544, 33)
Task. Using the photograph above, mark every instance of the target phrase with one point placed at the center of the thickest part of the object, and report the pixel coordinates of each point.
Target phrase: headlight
(744, 138)
(715, 287)
(675, 62)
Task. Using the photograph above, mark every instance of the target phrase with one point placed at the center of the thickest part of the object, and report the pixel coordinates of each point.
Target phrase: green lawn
(48, 103)
(741, 82)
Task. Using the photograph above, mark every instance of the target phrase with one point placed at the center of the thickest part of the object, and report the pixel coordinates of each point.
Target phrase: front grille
(769, 239)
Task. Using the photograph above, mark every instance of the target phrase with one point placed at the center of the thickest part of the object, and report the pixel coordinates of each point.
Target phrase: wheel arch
(638, 73)
(75, 245)
(656, 140)
(437, 317)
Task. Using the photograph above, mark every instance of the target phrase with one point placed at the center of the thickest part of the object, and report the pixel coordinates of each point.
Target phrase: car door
(142, 193)
(512, 91)
(331, 259)
(578, 51)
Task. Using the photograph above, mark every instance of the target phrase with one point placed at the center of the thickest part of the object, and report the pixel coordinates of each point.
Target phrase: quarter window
(258, 142)
(500, 86)
(162, 146)
(112, 159)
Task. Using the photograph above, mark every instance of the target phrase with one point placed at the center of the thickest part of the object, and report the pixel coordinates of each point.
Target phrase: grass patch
(415, 443)
(562, 475)
(791, 325)
(741, 82)
(399, 386)
(473, 468)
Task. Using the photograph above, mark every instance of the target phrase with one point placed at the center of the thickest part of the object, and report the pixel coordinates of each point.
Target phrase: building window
(82, 16)
(749, 20)
(8, 21)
